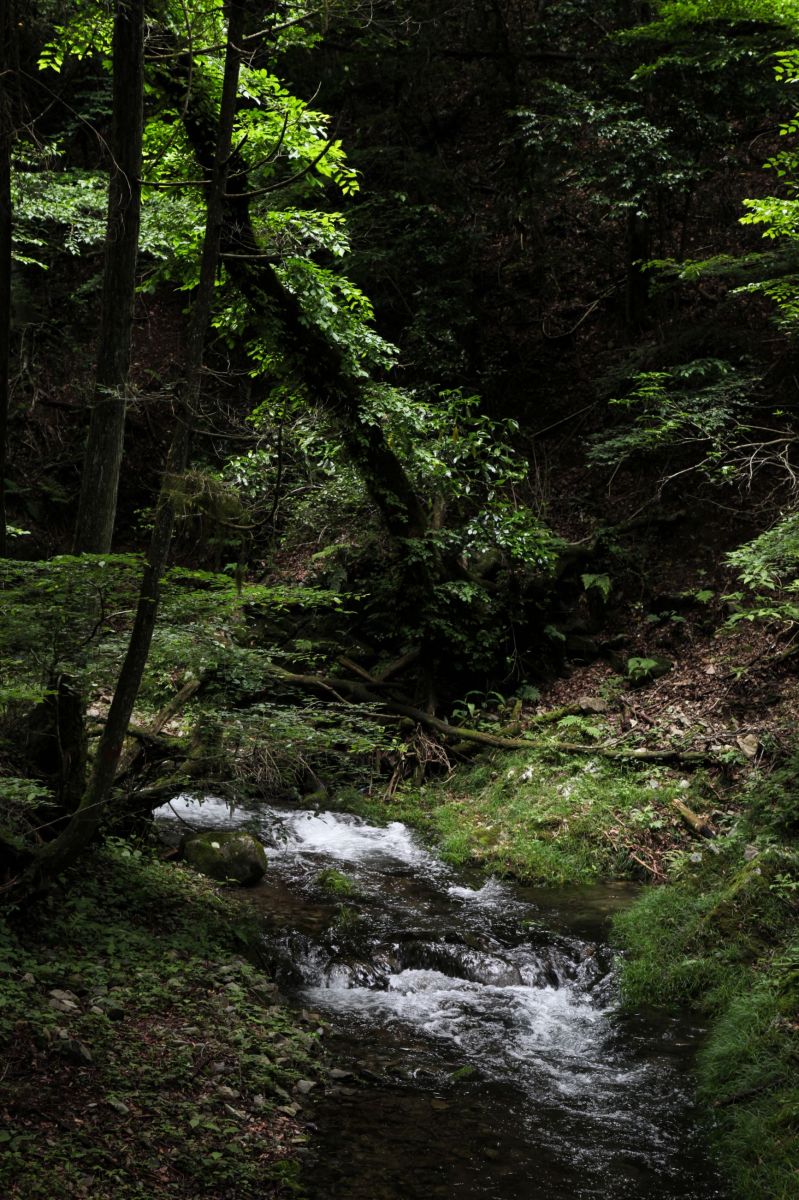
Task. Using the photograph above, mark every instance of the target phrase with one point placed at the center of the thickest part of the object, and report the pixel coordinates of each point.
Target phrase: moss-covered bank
(551, 819)
(144, 1054)
(724, 937)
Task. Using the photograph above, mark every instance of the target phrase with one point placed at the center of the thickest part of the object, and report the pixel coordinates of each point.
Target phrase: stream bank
(479, 1044)
(717, 937)
(144, 1053)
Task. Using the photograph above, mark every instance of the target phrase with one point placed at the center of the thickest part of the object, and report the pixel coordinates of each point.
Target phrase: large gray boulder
(231, 856)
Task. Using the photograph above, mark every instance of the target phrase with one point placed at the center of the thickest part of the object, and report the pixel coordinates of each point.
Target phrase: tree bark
(6, 215)
(103, 455)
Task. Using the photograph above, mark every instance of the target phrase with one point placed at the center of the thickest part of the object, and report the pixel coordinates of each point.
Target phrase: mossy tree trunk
(310, 356)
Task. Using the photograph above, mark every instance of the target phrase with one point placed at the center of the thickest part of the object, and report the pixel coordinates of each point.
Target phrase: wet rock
(234, 855)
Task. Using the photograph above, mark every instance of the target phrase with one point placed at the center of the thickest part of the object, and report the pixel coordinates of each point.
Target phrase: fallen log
(351, 689)
(173, 706)
(698, 825)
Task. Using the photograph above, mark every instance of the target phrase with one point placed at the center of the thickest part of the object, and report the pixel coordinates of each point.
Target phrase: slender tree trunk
(6, 134)
(103, 456)
(83, 826)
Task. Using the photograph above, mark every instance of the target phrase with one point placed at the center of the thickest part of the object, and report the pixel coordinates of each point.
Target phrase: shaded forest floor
(145, 1055)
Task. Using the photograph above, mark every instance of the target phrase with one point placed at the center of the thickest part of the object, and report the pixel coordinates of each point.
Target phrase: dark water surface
(479, 1021)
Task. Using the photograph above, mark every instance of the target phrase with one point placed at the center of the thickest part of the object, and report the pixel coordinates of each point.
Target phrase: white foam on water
(492, 894)
(203, 811)
(348, 839)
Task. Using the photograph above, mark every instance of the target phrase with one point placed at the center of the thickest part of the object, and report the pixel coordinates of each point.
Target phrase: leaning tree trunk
(309, 354)
(103, 455)
(58, 854)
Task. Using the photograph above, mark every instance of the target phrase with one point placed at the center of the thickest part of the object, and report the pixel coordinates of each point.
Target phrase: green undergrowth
(723, 936)
(552, 820)
(144, 1052)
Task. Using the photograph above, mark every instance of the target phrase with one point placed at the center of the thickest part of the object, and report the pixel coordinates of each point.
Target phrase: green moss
(562, 820)
(336, 882)
(165, 1009)
(229, 857)
(723, 938)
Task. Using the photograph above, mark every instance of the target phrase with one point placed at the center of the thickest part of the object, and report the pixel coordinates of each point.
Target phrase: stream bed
(475, 1028)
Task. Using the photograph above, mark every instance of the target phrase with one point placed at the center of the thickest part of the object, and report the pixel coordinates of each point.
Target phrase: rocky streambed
(479, 1045)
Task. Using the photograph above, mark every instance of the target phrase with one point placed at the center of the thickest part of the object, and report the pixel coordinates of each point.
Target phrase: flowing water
(479, 1046)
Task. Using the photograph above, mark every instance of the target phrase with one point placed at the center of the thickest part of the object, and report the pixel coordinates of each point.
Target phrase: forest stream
(478, 1043)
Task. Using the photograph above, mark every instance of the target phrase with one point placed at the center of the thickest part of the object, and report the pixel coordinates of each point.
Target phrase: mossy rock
(234, 855)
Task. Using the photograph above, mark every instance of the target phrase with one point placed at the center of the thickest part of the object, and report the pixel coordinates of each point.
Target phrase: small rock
(28, 978)
(592, 704)
(227, 1093)
(97, 1011)
(218, 1068)
(336, 1073)
(259, 1101)
(305, 1086)
(749, 744)
(236, 1112)
(64, 1006)
(750, 852)
(118, 1105)
(64, 997)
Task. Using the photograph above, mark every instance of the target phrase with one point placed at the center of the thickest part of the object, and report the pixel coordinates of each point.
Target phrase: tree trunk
(103, 455)
(6, 134)
(312, 357)
(59, 853)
